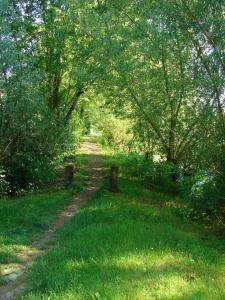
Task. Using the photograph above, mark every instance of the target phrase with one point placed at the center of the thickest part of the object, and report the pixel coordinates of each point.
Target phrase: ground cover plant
(25, 218)
(149, 76)
(146, 78)
(130, 245)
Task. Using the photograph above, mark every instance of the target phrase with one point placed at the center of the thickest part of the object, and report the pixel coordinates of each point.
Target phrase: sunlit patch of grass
(119, 247)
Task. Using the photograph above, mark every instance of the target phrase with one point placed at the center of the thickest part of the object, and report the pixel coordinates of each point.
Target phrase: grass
(23, 219)
(130, 245)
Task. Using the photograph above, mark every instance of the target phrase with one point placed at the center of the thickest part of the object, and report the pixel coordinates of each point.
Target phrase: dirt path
(15, 281)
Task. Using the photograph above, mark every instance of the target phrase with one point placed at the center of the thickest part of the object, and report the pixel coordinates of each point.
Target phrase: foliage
(204, 194)
(168, 79)
(200, 191)
(34, 138)
(3, 183)
(148, 75)
(156, 175)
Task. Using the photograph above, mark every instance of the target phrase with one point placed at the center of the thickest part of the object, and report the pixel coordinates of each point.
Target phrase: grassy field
(130, 245)
(23, 219)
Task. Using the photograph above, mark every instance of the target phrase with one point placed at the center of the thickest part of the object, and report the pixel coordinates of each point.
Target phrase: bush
(202, 194)
(4, 185)
(27, 171)
(156, 175)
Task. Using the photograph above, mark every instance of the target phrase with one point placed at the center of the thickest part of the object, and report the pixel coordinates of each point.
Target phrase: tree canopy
(154, 68)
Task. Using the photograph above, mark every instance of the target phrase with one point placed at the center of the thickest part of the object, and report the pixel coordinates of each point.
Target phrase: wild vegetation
(130, 245)
(156, 68)
(147, 78)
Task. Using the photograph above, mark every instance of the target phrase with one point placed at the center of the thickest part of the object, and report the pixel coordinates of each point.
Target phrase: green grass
(23, 219)
(130, 245)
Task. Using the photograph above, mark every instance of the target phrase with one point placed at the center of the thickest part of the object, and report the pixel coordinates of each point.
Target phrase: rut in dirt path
(15, 281)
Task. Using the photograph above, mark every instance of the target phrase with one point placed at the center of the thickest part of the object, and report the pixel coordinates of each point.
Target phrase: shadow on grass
(118, 248)
(24, 218)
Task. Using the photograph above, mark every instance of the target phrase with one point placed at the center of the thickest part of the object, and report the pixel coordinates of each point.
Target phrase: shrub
(4, 186)
(156, 175)
(201, 193)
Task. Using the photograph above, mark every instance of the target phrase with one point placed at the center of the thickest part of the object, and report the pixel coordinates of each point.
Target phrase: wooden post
(114, 179)
(69, 173)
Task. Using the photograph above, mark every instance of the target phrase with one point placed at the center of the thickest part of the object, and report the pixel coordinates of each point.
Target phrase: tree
(154, 69)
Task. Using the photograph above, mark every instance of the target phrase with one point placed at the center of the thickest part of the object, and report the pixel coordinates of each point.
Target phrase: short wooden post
(69, 173)
(114, 179)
